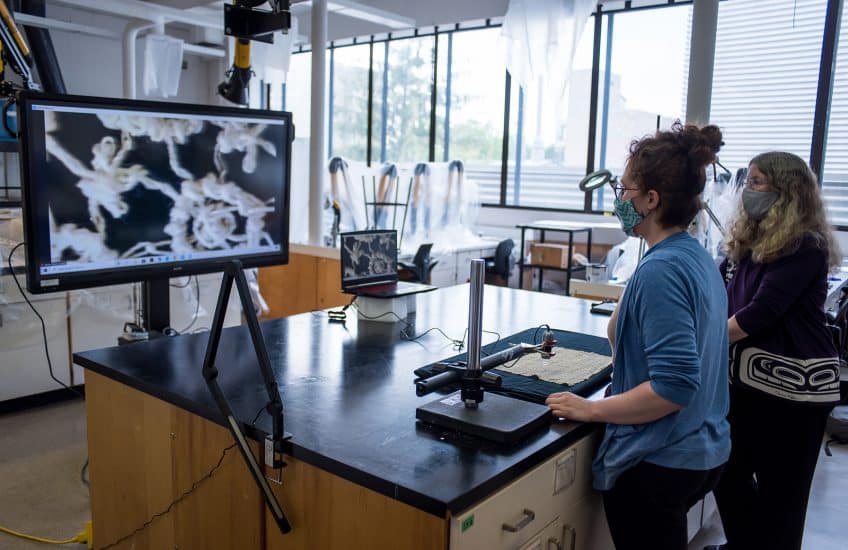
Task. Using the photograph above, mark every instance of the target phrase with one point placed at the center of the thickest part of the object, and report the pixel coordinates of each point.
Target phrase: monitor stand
(155, 312)
(156, 305)
(496, 418)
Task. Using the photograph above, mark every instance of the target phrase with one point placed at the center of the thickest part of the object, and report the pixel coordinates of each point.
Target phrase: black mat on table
(533, 389)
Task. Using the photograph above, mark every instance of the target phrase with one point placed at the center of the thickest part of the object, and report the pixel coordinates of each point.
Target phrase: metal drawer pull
(529, 515)
(554, 543)
(570, 533)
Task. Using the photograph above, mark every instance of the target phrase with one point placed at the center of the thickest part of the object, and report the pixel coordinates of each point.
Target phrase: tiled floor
(42, 451)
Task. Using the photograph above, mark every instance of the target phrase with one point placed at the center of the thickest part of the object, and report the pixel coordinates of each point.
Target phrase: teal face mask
(627, 216)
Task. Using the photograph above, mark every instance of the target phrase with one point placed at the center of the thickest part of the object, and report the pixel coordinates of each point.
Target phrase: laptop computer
(369, 265)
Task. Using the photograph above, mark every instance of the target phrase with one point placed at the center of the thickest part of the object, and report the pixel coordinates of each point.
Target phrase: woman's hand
(570, 406)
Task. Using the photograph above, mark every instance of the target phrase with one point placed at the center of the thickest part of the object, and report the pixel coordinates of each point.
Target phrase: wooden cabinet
(307, 283)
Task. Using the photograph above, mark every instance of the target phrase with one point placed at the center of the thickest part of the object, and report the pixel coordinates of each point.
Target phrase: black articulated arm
(274, 444)
(245, 22)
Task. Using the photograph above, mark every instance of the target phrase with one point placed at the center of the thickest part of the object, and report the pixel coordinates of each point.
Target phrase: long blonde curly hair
(798, 212)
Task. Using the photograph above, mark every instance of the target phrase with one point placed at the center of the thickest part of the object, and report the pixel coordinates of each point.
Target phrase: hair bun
(702, 143)
(712, 137)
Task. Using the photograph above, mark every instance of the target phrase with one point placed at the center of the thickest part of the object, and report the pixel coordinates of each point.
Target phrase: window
(298, 92)
(765, 77)
(471, 103)
(548, 139)
(349, 121)
(407, 96)
(639, 84)
(835, 173)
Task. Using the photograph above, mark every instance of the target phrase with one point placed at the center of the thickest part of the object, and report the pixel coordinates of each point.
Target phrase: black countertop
(348, 392)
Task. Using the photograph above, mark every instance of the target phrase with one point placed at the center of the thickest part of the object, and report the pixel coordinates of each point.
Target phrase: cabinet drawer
(505, 519)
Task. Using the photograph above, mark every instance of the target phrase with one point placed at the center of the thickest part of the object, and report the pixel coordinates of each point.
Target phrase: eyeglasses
(755, 182)
(620, 188)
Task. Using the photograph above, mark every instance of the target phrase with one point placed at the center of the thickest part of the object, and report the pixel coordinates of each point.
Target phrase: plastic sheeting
(275, 56)
(539, 39)
(163, 64)
(426, 202)
(722, 194)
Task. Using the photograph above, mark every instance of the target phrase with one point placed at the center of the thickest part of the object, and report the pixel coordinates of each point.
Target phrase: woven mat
(566, 366)
(577, 364)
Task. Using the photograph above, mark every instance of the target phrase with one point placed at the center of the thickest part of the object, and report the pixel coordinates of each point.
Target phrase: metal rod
(713, 217)
(475, 316)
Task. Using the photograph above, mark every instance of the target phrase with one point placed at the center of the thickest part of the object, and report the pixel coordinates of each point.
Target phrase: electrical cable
(79, 538)
(536, 332)
(41, 319)
(196, 305)
(83, 478)
(457, 344)
(174, 502)
(188, 282)
(340, 315)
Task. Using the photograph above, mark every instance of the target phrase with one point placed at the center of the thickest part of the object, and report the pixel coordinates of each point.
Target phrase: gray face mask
(758, 203)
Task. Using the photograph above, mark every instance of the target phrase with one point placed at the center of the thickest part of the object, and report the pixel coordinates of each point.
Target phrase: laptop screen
(368, 257)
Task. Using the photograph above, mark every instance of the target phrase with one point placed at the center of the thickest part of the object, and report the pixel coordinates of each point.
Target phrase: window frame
(830, 40)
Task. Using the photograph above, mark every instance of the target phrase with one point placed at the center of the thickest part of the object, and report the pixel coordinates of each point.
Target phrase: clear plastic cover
(163, 64)
(424, 202)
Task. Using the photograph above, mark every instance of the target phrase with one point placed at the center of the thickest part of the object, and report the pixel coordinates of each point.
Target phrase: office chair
(422, 264)
(503, 262)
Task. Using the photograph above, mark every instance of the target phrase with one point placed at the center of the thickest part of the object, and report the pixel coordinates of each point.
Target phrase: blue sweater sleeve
(664, 308)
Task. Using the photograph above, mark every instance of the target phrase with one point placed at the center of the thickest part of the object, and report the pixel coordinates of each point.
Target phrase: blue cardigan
(671, 331)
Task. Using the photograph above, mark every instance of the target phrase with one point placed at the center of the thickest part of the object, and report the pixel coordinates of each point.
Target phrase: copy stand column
(496, 417)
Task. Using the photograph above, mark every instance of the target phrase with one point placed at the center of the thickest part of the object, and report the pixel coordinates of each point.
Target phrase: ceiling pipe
(59, 25)
(130, 34)
(147, 11)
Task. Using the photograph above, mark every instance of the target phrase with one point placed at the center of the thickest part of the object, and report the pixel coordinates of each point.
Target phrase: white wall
(93, 65)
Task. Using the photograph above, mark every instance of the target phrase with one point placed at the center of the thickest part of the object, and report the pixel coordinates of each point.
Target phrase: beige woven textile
(567, 366)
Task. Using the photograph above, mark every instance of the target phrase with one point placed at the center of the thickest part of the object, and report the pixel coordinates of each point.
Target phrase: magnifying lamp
(596, 179)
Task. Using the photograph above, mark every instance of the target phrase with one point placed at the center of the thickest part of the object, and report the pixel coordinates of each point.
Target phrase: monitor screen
(368, 257)
(118, 190)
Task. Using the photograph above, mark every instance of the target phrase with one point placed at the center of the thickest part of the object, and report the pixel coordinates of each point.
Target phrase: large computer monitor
(118, 191)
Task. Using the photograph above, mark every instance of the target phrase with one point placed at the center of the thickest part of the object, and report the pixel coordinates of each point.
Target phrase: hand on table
(570, 406)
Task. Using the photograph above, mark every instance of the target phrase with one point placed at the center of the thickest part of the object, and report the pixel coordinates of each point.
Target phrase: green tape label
(467, 523)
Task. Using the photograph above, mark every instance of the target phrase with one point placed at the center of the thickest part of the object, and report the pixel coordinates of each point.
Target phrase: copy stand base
(497, 418)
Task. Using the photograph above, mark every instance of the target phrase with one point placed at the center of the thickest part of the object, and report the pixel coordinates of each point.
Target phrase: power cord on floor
(173, 503)
(83, 477)
(83, 537)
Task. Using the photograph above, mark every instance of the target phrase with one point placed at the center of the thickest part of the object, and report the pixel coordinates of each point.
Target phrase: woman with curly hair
(783, 367)
(666, 435)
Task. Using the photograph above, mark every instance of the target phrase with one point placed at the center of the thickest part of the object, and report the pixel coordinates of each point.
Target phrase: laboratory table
(361, 472)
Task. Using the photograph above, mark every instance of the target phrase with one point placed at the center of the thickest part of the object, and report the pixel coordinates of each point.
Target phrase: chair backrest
(422, 255)
(503, 257)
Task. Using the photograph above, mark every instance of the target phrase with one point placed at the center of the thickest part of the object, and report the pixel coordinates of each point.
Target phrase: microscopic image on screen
(126, 185)
(369, 255)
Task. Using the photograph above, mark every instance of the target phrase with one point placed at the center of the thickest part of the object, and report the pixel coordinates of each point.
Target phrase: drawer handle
(529, 515)
(570, 533)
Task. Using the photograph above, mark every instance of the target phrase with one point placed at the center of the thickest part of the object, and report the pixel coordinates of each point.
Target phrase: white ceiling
(424, 13)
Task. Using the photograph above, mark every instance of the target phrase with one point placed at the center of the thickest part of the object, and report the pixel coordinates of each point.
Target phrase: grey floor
(42, 452)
